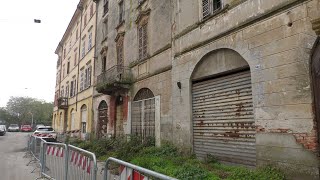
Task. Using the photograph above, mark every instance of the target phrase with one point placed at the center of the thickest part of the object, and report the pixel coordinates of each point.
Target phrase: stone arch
(143, 93)
(102, 119)
(217, 62)
(222, 108)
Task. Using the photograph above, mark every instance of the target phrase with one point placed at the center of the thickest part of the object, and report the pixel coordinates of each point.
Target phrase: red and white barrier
(55, 151)
(81, 161)
(130, 174)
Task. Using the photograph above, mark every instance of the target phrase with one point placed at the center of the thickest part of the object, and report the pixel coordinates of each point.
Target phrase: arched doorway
(222, 108)
(103, 119)
(84, 117)
(118, 125)
(143, 114)
(315, 72)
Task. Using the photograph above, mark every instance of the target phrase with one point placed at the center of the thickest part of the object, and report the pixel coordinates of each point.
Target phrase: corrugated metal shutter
(223, 121)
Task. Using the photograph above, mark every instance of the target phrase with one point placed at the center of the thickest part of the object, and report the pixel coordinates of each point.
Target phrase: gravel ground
(12, 161)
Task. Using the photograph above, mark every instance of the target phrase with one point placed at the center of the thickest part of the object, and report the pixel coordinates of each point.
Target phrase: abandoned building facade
(235, 79)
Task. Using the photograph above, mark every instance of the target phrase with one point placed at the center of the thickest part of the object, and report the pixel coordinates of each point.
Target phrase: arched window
(84, 114)
(103, 119)
(143, 93)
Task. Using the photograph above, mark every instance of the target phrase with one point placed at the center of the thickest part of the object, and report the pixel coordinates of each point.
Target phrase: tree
(23, 108)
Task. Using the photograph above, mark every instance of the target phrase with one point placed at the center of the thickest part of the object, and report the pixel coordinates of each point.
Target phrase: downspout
(95, 58)
(80, 7)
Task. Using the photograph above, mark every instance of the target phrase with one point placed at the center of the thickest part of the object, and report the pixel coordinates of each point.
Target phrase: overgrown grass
(172, 162)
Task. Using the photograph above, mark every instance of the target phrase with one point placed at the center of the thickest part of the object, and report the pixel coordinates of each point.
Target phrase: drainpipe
(80, 7)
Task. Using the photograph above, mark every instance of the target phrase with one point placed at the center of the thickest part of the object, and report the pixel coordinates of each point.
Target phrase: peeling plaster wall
(275, 38)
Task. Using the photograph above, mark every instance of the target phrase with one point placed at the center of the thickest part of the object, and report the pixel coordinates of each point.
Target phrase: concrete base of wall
(283, 151)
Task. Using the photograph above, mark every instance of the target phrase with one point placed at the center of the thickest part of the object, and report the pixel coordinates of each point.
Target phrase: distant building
(74, 87)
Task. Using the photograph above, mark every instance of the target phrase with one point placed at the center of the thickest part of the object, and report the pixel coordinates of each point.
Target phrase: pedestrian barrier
(54, 160)
(130, 171)
(66, 162)
(82, 164)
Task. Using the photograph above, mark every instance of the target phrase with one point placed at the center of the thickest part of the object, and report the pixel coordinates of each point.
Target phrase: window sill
(215, 13)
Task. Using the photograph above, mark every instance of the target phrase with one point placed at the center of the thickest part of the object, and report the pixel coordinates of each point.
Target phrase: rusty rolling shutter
(223, 121)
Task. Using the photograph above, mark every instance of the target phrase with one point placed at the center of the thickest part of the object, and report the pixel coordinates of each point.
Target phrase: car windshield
(14, 125)
(45, 129)
(26, 126)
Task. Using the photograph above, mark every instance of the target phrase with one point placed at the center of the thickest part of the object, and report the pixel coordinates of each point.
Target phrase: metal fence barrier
(54, 159)
(34, 148)
(82, 164)
(130, 171)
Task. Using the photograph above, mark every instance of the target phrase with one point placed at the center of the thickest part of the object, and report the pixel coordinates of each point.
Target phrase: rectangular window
(120, 52)
(70, 45)
(143, 44)
(85, 20)
(67, 90)
(105, 29)
(106, 6)
(62, 91)
(84, 127)
(91, 10)
(90, 41)
(71, 89)
(63, 71)
(87, 77)
(121, 11)
(83, 53)
(68, 67)
(104, 64)
(75, 59)
(64, 53)
(210, 6)
(81, 80)
(77, 34)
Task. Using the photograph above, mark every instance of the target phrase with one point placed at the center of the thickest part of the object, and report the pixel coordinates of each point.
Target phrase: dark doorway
(118, 125)
(103, 119)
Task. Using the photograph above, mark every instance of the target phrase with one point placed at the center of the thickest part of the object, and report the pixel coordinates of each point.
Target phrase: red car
(26, 128)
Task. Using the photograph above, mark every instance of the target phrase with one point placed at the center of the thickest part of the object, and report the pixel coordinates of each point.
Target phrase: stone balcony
(116, 79)
(63, 103)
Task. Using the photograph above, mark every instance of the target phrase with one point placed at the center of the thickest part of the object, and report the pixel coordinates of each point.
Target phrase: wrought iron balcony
(117, 78)
(63, 103)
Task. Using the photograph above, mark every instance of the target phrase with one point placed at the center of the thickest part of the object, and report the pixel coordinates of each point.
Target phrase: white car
(3, 130)
(13, 127)
(47, 133)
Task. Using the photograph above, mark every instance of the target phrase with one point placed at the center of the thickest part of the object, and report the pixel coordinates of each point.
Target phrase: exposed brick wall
(308, 140)
(112, 114)
(125, 108)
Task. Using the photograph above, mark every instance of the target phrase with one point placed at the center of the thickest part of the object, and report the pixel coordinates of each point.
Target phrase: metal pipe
(137, 168)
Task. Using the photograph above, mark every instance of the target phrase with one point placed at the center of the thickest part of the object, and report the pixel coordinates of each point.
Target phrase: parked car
(3, 130)
(39, 125)
(13, 127)
(26, 128)
(47, 133)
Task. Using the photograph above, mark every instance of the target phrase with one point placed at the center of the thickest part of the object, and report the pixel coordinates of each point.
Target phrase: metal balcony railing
(117, 77)
(63, 103)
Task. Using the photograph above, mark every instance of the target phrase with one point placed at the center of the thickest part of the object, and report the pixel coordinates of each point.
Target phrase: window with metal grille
(121, 11)
(104, 64)
(210, 6)
(143, 44)
(90, 41)
(82, 80)
(106, 6)
(83, 53)
(120, 51)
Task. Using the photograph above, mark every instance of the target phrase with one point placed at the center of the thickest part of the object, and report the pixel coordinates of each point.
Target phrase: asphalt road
(12, 163)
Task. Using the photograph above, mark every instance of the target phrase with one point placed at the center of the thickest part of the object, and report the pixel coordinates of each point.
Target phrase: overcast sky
(28, 62)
